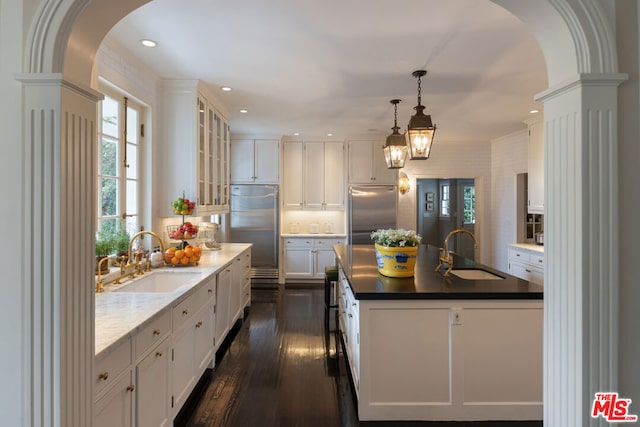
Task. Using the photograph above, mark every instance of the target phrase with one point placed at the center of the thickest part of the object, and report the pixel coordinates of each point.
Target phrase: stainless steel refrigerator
(370, 207)
(253, 218)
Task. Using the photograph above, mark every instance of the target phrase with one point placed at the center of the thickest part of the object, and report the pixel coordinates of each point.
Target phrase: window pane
(110, 122)
(132, 161)
(109, 193)
(109, 157)
(132, 125)
(132, 197)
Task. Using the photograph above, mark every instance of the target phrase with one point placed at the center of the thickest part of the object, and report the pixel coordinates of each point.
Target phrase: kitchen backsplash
(312, 222)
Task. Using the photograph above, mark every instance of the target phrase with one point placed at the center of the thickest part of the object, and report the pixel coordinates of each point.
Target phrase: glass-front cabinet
(196, 149)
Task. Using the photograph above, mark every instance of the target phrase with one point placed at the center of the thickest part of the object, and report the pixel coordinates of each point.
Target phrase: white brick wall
(508, 159)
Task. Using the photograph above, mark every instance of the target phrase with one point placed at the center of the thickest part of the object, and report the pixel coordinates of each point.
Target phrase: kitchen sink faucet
(445, 256)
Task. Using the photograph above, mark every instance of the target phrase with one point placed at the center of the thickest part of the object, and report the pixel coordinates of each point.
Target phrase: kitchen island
(431, 347)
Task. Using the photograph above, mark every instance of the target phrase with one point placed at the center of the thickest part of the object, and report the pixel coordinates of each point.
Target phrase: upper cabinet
(367, 164)
(255, 161)
(195, 158)
(313, 175)
(535, 178)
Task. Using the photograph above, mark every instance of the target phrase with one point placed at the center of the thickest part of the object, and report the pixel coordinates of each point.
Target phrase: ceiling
(332, 66)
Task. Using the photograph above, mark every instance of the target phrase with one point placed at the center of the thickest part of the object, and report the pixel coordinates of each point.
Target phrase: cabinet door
(333, 172)
(242, 161)
(153, 400)
(314, 177)
(360, 162)
(323, 259)
(267, 153)
(235, 295)
(202, 151)
(222, 306)
(535, 176)
(114, 407)
(292, 175)
(298, 263)
(204, 335)
(183, 369)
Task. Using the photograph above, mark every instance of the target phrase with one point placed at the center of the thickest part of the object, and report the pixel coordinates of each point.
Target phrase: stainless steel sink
(475, 274)
(161, 282)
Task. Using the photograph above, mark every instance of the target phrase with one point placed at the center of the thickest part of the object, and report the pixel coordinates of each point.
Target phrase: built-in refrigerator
(370, 207)
(253, 218)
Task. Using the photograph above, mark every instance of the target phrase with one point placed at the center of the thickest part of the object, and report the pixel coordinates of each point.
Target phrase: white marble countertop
(531, 247)
(119, 315)
(316, 235)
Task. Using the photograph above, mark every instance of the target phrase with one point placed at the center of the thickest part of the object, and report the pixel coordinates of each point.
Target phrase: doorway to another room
(443, 206)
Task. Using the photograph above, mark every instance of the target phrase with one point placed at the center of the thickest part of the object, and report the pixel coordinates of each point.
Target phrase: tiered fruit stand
(182, 253)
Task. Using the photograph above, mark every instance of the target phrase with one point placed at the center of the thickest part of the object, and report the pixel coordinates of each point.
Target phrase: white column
(581, 245)
(59, 167)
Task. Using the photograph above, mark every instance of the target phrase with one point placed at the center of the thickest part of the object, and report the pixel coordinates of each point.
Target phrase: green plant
(396, 238)
(121, 239)
(104, 244)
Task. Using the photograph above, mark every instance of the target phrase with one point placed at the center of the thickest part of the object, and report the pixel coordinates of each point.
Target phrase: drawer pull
(540, 260)
(158, 354)
(185, 312)
(156, 332)
(527, 270)
(103, 376)
(350, 316)
(353, 304)
(210, 291)
(198, 324)
(517, 254)
(131, 387)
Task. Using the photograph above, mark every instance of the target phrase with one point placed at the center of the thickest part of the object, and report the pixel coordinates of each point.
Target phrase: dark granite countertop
(359, 265)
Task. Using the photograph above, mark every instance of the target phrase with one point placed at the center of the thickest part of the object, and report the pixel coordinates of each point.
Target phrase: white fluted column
(59, 168)
(581, 245)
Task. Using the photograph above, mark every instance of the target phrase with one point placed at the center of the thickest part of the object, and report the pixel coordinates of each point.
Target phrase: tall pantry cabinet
(196, 155)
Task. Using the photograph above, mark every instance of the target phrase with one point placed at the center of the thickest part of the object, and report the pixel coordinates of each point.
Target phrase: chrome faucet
(445, 256)
(137, 263)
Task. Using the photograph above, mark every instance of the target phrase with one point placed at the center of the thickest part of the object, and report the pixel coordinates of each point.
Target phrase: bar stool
(330, 278)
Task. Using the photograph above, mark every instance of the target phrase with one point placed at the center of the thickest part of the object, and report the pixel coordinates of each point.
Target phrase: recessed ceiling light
(296, 133)
(243, 111)
(148, 43)
(329, 134)
(534, 111)
(226, 89)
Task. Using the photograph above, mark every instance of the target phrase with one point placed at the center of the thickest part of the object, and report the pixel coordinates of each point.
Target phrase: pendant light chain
(419, 90)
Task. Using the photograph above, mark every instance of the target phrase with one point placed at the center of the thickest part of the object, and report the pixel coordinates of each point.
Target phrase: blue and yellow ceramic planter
(396, 261)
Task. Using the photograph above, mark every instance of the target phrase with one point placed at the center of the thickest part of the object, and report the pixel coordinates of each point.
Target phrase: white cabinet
(349, 325)
(255, 161)
(367, 164)
(192, 341)
(313, 175)
(153, 400)
(535, 175)
(306, 258)
(222, 305)
(527, 264)
(114, 387)
(195, 150)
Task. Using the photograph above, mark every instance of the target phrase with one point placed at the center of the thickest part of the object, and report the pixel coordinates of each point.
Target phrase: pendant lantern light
(395, 149)
(421, 130)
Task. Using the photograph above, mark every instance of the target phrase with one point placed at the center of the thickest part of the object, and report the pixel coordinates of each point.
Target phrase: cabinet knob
(158, 354)
(156, 332)
(131, 387)
(210, 291)
(185, 312)
(199, 324)
(350, 316)
(527, 270)
(103, 376)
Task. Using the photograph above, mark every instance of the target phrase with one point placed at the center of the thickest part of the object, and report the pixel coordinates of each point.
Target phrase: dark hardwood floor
(281, 369)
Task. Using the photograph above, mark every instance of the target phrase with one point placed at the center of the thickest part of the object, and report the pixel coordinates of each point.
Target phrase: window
(118, 163)
(469, 194)
(444, 200)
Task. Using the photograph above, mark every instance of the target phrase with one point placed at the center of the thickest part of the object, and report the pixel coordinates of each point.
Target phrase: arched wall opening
(575, 39)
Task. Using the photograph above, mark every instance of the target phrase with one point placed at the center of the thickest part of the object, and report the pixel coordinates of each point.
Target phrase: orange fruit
(196, 251)
(184, 260)
(174, 260)
(179, 253)
(188, 252)
(193, 259)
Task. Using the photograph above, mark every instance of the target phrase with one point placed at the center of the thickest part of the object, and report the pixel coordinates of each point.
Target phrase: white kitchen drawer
(328, 243)
(527, 272)
(519, 255)
(111, 365)
(153, 333)
(204, 294)
(184, 311)
(536, 259)
(298, 243)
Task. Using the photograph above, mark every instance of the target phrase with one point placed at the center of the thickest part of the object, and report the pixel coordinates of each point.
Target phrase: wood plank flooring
(282, 369)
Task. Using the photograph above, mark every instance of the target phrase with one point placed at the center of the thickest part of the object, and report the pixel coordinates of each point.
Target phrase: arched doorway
(581, 57)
